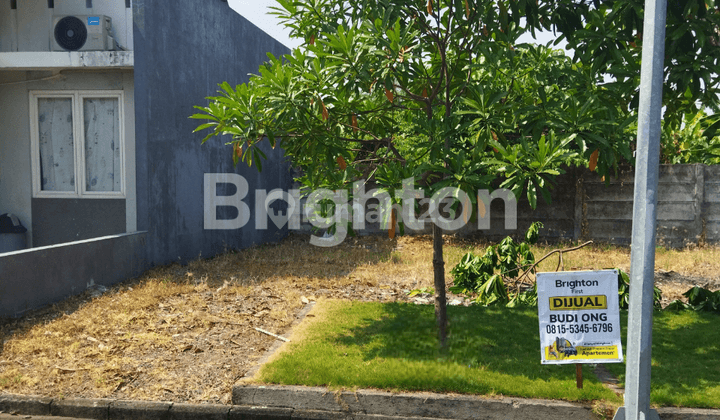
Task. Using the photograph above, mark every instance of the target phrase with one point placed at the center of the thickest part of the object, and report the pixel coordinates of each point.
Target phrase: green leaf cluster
(486, 276)
(699, 299)
(624, 291)
(608, 37)
(442, 91)
(384, 91)
(697, 141)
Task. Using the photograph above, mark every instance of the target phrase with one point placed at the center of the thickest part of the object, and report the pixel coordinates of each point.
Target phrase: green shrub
(485, 276)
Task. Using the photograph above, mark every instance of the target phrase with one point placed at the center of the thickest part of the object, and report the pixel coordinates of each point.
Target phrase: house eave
(44, 60)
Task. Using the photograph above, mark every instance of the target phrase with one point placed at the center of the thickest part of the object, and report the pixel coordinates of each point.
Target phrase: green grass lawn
(492, 351)
(685, 359)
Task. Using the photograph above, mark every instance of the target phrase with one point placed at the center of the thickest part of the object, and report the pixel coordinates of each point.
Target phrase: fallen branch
(271, 334)
(560, 262)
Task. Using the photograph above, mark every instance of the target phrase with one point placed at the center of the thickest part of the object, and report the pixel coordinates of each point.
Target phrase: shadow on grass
(685, 358)
(490, 339)
(394, 346)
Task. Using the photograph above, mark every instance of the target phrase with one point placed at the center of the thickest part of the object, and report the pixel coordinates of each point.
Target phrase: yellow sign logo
(582, 353)
(573, 303)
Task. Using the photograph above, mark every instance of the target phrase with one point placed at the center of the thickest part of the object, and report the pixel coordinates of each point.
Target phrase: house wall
(29, 27)
(181, 54)
(15, 172)
(53, 221)
(60, 220)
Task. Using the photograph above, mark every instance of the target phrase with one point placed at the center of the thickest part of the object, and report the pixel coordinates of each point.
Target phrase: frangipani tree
(434, 91)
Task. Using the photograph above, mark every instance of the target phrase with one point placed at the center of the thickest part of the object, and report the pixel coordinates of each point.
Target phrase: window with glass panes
(77, 144)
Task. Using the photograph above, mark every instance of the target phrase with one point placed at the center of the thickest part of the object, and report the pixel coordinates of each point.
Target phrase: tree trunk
(439, 277)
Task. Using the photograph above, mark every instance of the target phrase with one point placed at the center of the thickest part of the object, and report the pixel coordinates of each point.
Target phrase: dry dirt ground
(187, 333)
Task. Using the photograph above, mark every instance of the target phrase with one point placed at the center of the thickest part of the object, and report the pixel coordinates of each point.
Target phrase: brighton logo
(333, 211)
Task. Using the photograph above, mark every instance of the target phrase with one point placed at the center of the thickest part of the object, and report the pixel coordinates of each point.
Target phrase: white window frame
(77, 97)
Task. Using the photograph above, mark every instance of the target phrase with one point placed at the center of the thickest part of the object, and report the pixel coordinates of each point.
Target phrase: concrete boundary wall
(35, 277)
(586, 207)
(687, 211)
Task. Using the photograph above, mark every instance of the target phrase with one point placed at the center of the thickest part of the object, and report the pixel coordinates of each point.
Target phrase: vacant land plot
(187, 333)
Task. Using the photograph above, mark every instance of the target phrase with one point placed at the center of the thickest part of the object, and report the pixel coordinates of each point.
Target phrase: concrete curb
(416, 405)
(378, 404)
(81, 407)
(253, 402)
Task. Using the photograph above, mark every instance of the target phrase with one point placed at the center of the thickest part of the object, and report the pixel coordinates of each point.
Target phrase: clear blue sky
(256, 12)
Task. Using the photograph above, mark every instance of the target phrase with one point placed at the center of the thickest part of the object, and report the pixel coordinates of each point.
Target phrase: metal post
(642, 258)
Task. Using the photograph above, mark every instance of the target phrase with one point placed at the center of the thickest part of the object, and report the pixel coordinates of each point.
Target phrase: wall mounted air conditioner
(82, 33)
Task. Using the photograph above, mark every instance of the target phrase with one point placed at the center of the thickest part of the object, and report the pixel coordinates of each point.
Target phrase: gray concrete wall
(181, 54)
(29, 27)
(688, 209)
(16, 195)
(710, 205)
(585, 207)
(36, 277)
(558, 217)
(608, 208)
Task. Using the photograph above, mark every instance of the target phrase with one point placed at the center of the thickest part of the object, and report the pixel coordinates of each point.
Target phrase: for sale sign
(579, 317)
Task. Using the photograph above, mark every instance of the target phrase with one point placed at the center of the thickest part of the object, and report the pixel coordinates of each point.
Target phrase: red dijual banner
(579, 317)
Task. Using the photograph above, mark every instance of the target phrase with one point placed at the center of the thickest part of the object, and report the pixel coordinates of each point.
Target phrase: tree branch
(532, 267)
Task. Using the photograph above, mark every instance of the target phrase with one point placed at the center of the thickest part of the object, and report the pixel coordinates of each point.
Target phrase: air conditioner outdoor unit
(82, 33)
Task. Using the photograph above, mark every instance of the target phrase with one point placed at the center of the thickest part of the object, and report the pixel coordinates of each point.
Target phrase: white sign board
(579, 317)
